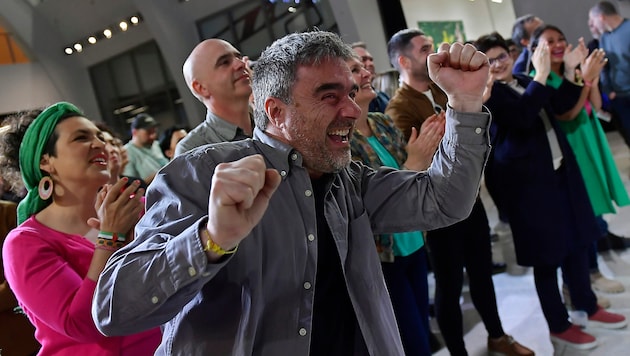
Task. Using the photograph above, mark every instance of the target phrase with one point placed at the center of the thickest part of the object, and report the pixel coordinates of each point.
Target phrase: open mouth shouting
(340, 136)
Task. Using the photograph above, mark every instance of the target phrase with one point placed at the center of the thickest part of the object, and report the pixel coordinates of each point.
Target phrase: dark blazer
(549, 210)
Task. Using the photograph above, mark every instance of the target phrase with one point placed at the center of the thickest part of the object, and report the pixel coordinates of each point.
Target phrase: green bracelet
(114, 236)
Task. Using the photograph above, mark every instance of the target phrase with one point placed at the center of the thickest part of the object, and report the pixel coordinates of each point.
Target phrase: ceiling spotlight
(497, 1)
(123, 25)
(68, 50)
(291, 9)
(78, 47)
(107, 33)
(92, 39)
(134, 20)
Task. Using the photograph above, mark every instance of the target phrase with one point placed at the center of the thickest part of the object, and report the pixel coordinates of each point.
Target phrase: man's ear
(45, 164)
(275, 110)
(200, 89)
(403, 61)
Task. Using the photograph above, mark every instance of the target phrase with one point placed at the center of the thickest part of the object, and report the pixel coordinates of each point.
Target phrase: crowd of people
(303, 215)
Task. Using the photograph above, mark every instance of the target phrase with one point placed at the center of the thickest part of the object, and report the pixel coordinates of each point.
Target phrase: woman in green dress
(587, 139)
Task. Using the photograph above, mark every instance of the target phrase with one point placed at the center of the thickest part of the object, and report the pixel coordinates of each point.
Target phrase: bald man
(217, 75)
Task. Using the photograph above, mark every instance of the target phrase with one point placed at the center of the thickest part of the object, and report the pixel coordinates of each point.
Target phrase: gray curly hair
(277, 66)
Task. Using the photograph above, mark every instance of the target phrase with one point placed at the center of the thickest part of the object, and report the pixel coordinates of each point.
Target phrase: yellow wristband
(212, 246)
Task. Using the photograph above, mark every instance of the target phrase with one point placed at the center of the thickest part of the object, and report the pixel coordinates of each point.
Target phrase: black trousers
(465, 244)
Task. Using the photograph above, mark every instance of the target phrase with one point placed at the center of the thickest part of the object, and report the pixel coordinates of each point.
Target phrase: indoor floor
(516, 295)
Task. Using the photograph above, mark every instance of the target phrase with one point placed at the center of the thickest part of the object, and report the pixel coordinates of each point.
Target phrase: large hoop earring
(45, 188)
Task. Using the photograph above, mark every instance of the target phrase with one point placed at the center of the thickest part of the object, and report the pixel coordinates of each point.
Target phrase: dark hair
(518, 29)
(604, 8)
(487, 42)
(103, 127)
(10, 141)
(539, 31)
(165, 138)
(400, 43)
(536, 38)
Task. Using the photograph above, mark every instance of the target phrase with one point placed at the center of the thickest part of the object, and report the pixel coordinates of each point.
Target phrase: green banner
(443, 31)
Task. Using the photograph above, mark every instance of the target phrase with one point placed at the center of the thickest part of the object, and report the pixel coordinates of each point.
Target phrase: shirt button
(294, 156)
(154, 300)
(478, 130)
(283, 173)
(310, 237)
(307, 285)
(302, 332)
(308, 193)
(192, 272)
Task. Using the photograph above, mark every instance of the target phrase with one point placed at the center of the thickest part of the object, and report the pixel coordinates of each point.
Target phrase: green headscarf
(31, 150)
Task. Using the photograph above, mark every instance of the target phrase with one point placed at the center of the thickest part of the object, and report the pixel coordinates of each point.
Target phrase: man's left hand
(462, 72)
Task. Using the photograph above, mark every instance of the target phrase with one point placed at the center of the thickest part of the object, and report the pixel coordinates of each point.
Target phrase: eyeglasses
(500, 59)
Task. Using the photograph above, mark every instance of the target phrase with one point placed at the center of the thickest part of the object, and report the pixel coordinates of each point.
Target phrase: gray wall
(571, 16)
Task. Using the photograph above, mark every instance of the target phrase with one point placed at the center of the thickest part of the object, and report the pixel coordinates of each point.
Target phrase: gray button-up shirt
(259, 301)
(212, 130)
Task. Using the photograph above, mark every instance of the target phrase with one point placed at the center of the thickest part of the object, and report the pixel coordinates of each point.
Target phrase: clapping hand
(574, 56)
(487, 91)
(541, 60)
(118, 208)
(421, 146)
(593, 65)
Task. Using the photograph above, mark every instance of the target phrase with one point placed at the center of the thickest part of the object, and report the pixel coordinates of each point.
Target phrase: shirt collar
(283, 156)
(432, 87)
(224, 128)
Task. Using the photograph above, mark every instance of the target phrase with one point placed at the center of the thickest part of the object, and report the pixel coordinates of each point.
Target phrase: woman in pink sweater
(54, 257)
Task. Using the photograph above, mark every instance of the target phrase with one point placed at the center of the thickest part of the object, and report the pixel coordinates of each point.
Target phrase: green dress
(589, 143)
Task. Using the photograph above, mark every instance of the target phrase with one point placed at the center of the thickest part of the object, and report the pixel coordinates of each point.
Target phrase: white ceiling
(76, 19)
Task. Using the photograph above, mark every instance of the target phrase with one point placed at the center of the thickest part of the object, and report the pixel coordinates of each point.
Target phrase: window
(134, 82)
(254, 24)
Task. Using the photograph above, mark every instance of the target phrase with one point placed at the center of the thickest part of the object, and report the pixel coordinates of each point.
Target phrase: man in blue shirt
(614, 81)
(615, 41)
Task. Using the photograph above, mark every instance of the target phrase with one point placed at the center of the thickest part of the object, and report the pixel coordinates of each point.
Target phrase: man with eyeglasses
(499, 59)
(379, 103)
